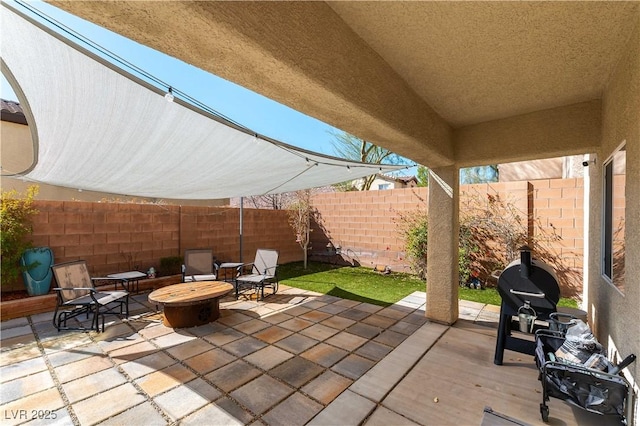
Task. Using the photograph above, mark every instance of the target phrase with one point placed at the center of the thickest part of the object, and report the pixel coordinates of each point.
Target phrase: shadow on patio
(296, 358)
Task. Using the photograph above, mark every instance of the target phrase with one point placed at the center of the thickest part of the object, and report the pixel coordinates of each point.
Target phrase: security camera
(586, 163)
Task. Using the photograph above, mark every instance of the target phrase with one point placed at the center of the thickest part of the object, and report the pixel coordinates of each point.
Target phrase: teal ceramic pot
(37, 279)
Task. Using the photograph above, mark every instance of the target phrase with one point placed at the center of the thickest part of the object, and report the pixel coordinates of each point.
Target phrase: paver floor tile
(244, 346)
(170, 340)
(404, 327)
(17, 349)
(297, 310)
(353, 366)
(347, 302)
(346, 341)
(297, 371)
(394, 313)
(373, 350)
(261, 394)
(187, 398)
(313, 304)
(82, 368)
(190, 349)
(326, 387)
(379, 321)
(369, 307)
(132, 352)
(154, 330)
(141, 414)
(324, 354)
(296, 324)
(147, 364)
(22, 368)
(107, 404)
(113, 331)
(216, 414)
(231, 319)
(66, 343)
(220, 338)
(20, 410)
(319, 332)
(354, 314)
(338, 323)
(23, 386)
(390, 338)
(15, 322)
(382, 416)
(210, 360)
(88, 386)
(251, 326)
(296, 343)
(333, 309)
(364, 330)
(203, 330)
(295, 410)
(268, 357)
(272, 334)
(8, 333)
(233, 375)
(66, 356)
(277, 318)
(120, 342)
(347, 409)
(315, 316)
(416, 318)
(165, 379)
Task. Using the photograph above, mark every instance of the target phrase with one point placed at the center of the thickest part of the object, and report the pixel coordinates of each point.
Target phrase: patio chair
(259, 274)
(77, 295)
(198, 266)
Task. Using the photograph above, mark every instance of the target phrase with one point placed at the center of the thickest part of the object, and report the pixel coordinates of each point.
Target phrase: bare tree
(351, 147)
(301, 211)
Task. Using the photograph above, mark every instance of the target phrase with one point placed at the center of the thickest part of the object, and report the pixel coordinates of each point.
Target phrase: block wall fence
(118, 237)
(366, 227)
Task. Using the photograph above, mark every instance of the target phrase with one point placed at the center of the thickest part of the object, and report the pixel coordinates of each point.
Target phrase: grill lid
(531, 280)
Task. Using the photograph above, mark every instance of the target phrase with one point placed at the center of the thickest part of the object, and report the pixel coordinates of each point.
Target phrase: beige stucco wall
(617, 315)
(566, 130)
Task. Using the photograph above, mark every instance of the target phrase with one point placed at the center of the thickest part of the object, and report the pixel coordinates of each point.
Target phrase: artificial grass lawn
(365, 285)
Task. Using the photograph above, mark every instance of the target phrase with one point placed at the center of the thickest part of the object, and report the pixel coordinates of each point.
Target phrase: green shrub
(16, 214)
(414, 227)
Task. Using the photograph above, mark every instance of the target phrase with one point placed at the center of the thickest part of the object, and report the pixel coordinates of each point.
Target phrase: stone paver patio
(296, 358)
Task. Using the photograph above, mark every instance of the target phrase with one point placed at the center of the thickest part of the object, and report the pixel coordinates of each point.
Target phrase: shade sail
(96, 127)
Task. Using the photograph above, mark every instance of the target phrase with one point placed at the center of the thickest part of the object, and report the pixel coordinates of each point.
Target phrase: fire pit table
(190, 304)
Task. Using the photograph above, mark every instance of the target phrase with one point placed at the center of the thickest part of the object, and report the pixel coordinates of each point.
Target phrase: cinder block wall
(365, 224)
(118, 237)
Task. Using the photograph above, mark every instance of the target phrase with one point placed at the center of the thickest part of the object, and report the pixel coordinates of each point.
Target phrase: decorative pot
(37, 278)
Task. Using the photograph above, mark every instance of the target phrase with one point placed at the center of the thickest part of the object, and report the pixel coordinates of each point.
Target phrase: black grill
(530, 287)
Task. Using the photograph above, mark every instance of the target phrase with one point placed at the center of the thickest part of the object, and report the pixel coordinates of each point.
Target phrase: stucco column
(442, 256)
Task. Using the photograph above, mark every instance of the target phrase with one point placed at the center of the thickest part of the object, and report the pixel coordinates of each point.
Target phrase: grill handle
(524, 293)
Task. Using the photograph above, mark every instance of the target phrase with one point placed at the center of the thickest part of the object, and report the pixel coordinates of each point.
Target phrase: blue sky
(243, 106)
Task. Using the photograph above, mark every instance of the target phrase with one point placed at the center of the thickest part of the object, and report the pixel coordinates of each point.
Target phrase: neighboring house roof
(405, 180)
(12, 111)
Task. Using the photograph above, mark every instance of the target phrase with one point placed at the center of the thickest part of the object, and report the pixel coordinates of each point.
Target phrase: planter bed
(17, 308)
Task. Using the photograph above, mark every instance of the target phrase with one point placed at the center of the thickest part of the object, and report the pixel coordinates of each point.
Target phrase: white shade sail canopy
(98, 128)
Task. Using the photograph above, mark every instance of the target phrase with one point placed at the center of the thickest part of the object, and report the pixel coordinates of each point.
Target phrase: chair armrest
(91, 289)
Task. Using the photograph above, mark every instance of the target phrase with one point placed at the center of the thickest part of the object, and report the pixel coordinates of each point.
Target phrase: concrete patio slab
(322, 361)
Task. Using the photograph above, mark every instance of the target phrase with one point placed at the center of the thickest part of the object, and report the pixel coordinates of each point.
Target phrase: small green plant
(170, 265)
(16, 214)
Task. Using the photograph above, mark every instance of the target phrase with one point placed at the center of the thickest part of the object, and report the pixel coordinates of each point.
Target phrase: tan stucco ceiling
(404, 75)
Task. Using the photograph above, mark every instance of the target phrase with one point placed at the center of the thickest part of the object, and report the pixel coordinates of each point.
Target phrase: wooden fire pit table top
(193, 293)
